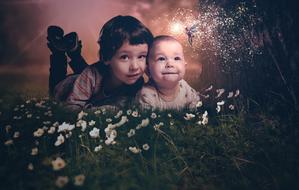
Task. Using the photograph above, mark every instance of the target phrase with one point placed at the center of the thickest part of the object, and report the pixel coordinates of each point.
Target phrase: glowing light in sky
(176, 28)
(218, 34)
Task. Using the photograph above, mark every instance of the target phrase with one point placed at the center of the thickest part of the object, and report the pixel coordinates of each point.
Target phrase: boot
(58, 60)
(71, 41)
(56, 40)
(74, 46)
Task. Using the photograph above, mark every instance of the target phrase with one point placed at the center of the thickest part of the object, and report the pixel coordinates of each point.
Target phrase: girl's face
(167, 63)
(128, 63)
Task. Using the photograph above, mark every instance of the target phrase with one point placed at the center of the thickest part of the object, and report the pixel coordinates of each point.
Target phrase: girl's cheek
(142, 64)
(142, 61)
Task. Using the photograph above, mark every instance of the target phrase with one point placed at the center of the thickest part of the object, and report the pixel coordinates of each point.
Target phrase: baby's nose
(169, 64)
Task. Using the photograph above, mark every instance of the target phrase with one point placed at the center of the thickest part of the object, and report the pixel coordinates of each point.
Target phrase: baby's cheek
(155, 76)
(183, 70)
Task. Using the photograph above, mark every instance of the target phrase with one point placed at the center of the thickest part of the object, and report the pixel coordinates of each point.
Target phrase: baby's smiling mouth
(169, 73)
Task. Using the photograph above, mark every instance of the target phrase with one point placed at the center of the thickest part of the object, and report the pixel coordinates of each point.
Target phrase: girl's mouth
(133, 75)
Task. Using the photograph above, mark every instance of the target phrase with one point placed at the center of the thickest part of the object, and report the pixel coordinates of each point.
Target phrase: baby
(166, 88)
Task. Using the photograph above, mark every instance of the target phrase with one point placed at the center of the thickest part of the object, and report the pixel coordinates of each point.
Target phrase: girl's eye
(161, 59)
(177, 58)
(124, 57)
(142, 57)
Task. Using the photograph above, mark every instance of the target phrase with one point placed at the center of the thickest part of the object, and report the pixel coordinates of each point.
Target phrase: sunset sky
(24, 23)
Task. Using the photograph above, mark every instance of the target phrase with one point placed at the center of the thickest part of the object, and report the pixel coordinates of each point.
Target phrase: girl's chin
(130, 82)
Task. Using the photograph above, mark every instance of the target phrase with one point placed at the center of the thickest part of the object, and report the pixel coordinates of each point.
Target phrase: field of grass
(44, 146)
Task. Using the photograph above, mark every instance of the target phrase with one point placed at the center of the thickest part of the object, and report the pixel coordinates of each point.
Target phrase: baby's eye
(177, 58)
(124, 57)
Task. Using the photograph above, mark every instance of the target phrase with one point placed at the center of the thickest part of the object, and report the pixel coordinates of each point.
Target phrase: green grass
(236, 150)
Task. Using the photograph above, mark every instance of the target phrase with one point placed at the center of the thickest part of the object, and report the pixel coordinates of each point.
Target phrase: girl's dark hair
(118, 30)
(112, 36)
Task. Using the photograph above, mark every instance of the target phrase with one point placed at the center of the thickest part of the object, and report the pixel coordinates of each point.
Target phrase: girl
(124, 42)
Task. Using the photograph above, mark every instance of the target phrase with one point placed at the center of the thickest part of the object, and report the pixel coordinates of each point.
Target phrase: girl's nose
(133, 65)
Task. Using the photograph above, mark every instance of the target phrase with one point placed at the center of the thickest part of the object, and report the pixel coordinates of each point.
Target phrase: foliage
(236, 149)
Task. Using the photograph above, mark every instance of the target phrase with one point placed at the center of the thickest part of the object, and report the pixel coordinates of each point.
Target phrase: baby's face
(166, 63)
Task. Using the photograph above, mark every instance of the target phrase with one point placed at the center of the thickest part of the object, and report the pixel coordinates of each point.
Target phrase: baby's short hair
(158, 39)
(163, 38)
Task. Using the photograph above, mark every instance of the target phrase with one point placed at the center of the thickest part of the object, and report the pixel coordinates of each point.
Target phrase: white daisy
(39, 132)
(153, 115)
(219, 92)
(91, 123)
(98, 148)
(230, 94)
(51, 130)
(34, 151)
(145, 147)
(237, 93)
(143, 123)
(134, 149)
(135, 113)
(58, 164)
(210, 88)
(61, 181)
(79, 180)
(65, 127)
(30, 167)
(189, 116)
(221, 103)
(94, 133)
(218, 109)
(199, 104)
(16, 134)
(129, 112)
(231, 107)
(8, 142)
(118, 114)
(131, 133)
(60, 140)
(81, 115)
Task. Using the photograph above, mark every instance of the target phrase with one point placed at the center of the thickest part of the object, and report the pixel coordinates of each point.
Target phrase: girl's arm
(84, 88)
